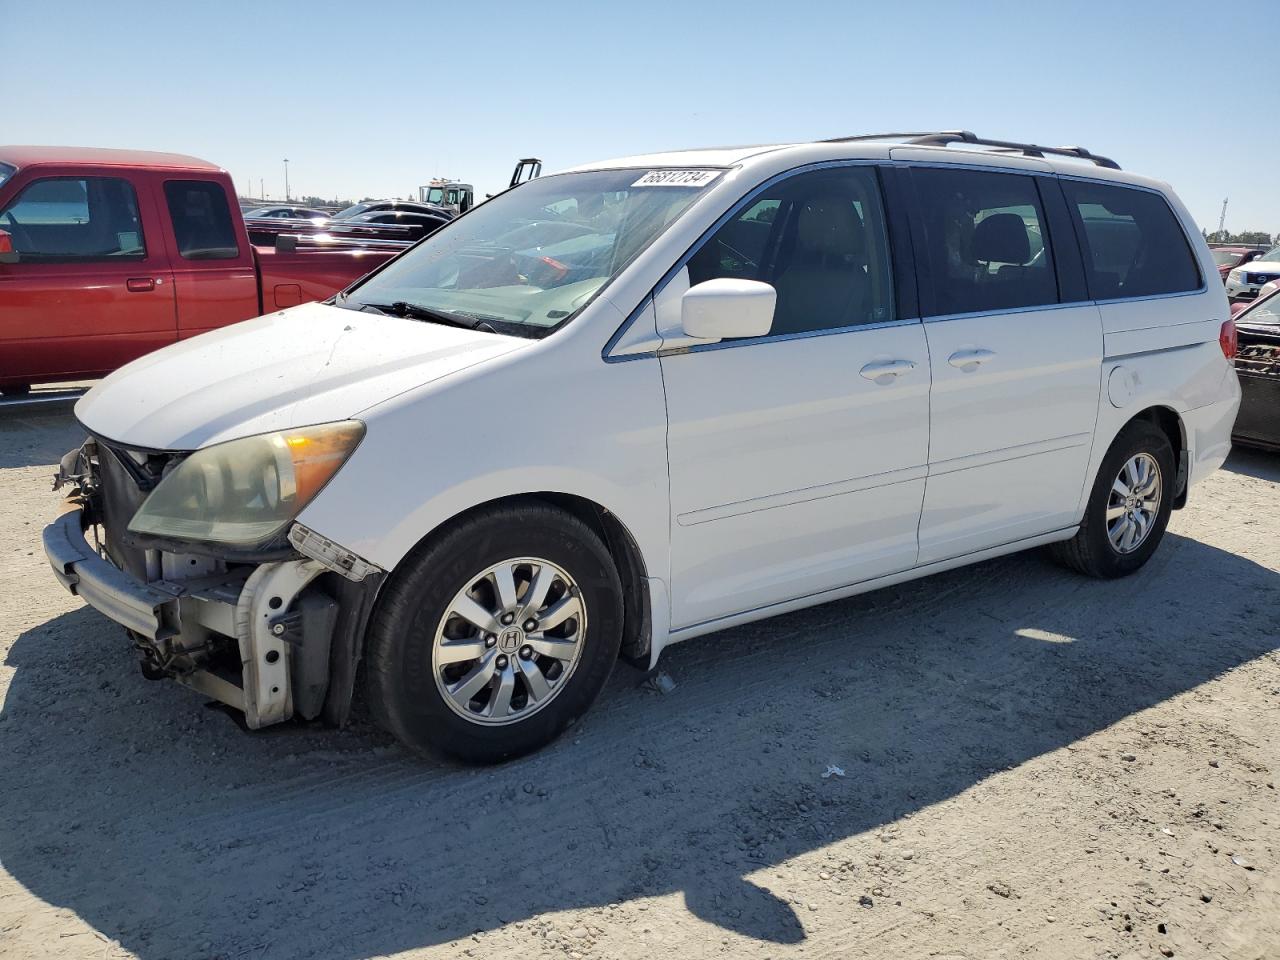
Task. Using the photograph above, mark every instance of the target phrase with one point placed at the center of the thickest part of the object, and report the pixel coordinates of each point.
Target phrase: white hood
(310, 364)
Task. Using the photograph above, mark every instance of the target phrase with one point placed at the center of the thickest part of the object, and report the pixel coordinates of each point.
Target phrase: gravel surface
(1027, 764)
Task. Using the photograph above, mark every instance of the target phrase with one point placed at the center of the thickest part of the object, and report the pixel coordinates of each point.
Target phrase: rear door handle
(970, 360)
(139, 284)
(886, 371)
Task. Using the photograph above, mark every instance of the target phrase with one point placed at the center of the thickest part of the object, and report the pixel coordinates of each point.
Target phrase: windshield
(537, 254)
(6, 171)
(1272, 254)
(1224, 258)
(351, 211)
(435, 195)
(1265, 311)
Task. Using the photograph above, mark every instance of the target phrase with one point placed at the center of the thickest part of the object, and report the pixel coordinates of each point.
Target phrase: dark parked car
(393, 206)
(285, 213)
(419, 224)
(1258, 367)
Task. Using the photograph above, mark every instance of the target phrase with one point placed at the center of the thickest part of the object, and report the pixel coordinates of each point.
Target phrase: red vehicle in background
(1231, 256)
(106, 255)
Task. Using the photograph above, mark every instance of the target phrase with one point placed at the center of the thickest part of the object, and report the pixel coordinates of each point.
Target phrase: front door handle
(139, 284)
(886, 371)
(969, 360)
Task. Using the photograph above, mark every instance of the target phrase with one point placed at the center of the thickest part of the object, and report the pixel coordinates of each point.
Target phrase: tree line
(1259, 238)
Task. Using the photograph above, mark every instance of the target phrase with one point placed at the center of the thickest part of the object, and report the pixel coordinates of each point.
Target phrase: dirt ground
(1035, 765)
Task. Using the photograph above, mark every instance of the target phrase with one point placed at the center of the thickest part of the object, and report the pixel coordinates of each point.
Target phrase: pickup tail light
(1227, 339)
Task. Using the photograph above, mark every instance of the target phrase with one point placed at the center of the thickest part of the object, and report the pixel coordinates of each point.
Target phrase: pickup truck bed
(115, 253)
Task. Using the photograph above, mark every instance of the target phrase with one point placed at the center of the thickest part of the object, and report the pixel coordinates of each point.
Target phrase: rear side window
(820, 239)
(75, 220)
(201, 220)
(1133, 244)
(985, 240)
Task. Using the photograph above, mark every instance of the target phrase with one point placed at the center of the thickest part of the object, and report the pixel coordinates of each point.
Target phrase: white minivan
(628, 404)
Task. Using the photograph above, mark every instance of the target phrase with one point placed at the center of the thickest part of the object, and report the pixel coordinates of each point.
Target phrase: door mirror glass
(727, 308)
(7, 253)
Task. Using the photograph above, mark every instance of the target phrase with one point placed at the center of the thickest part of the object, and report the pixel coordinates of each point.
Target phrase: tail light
(1227, 339)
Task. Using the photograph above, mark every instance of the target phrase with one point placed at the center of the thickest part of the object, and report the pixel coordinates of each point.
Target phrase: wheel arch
(1169, 422)
(637, 636)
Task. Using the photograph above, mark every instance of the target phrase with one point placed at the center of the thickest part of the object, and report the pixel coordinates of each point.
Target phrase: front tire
(497, 636)
(1128, 508)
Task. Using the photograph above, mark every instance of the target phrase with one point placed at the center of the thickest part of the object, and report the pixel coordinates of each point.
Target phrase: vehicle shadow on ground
(1252, 462)
(167, 828)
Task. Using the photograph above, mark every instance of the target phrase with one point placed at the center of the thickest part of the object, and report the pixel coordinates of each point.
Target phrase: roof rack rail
(942, 138)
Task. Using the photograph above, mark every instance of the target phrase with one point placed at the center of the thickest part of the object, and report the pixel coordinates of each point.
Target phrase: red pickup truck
(108, 254)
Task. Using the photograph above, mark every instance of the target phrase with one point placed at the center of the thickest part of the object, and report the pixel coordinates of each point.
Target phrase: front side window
(1133, 245)
(985, 241)
(201, 220)
(530, 258)
(75, 219)
(820, 239)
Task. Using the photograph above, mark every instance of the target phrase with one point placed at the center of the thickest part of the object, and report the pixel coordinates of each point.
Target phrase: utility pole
(1223, 219)
(286, 179)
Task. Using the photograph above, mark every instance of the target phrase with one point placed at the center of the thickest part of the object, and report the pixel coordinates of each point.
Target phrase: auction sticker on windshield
(677, 178)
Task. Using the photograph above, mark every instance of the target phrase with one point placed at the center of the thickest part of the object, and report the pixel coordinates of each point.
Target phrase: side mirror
(725, 308)
(7, 253)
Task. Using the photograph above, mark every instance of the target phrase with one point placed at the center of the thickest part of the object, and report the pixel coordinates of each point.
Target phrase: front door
(797, 460)
(1015, 369)
(91, 289)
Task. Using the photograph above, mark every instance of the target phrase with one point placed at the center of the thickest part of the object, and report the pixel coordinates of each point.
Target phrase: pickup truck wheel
(497, 636)
(1128, 508)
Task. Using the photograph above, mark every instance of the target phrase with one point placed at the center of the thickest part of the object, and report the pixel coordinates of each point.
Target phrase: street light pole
(286, 179)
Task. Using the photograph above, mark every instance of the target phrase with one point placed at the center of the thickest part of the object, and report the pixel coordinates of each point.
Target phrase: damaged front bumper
(276, 639)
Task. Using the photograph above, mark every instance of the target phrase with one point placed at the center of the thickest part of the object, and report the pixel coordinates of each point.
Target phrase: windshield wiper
(415, 311)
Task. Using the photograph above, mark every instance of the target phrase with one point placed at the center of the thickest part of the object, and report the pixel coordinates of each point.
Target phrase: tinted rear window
(986, 241)
(201, 220)
(1133, 244)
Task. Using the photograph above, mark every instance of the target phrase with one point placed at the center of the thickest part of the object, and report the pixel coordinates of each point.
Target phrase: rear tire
(444, 683)
(1128, 507)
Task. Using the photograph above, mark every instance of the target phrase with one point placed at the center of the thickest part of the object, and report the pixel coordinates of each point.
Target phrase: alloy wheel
(509, 641)
(1134, 503)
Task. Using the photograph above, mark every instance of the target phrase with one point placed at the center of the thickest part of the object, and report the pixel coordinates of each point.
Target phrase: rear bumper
(143, 608)
(1209, 433)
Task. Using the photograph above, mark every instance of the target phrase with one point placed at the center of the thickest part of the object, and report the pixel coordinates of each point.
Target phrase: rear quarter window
(1133, 244)
(201, 220)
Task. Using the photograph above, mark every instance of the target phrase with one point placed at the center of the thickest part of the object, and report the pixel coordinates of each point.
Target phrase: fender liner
(355, 604)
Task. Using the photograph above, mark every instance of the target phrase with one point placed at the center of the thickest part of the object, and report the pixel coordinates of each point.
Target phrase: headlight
(244, 491)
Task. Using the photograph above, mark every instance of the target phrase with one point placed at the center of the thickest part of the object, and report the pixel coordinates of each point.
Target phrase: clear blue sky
(376, 97)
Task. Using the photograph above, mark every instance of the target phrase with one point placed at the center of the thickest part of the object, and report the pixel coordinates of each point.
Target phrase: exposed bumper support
(283, 637)
(142, 608)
